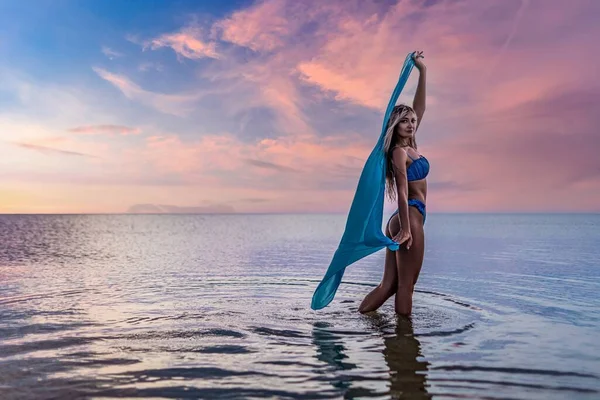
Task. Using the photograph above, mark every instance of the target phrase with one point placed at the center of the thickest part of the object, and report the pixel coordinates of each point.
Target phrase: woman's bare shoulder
(399, 155)
(402, 148)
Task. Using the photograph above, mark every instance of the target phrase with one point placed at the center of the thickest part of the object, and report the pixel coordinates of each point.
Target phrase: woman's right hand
(403, 236)
(417, 56)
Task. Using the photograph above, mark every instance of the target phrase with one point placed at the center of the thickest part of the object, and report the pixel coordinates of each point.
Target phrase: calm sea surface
(194, 306)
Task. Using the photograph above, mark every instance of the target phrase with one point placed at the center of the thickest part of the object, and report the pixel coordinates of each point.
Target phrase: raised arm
(419, 100)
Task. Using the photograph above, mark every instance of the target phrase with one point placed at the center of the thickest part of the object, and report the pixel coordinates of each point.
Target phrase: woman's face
(407, 125)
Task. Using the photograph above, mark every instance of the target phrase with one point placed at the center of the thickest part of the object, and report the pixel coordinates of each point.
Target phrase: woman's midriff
(418, 190)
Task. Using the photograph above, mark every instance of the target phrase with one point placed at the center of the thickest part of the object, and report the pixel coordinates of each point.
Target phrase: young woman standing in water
(406, 183)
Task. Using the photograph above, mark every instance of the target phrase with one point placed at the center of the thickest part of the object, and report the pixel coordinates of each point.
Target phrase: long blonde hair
(390, 140)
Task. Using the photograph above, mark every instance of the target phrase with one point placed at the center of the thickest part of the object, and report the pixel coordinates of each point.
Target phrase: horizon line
(300, 213)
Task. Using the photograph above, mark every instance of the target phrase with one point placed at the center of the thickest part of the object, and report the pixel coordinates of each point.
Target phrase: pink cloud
(364, 50)
(105, 129)
(221, 161)
(351, 58)
(169, 154)
(261, 83)
(188, 43)
(541, 152)
(263, 26)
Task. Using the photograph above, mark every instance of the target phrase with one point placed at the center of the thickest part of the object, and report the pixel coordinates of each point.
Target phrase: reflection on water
(331, 350)
(402, 354)
(407, 371)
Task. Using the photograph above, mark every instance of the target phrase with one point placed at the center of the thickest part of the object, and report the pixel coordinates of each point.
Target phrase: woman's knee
(405, 289)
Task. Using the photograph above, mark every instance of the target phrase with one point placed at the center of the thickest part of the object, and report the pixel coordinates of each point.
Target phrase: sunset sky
(273, 106)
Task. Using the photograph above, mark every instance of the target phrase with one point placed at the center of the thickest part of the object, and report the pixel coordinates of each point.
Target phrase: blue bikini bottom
(418, 204)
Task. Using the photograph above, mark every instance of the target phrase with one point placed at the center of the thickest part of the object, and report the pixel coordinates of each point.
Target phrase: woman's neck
(404, 143)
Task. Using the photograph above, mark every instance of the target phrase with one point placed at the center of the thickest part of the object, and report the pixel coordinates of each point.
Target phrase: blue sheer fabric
(363, 234)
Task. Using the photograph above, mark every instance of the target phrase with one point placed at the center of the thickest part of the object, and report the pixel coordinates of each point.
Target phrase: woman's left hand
(417, 58)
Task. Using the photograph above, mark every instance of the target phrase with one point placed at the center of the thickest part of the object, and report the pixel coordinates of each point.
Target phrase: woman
(405, 182)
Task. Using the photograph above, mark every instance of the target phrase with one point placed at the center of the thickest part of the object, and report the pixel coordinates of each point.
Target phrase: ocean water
(218, 306)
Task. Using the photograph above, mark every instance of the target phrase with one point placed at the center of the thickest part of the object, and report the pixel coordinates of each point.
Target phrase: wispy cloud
(176, 104)
(172, 209)
(105, 129)
(187, 43)
(252, 200)
(50, 150)
(147, 66)
(269, 165)
(110, 53)
(515, 25)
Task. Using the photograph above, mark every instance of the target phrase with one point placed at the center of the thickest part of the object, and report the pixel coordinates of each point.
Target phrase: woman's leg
(409, 264)
(389, 282)
(387, 287)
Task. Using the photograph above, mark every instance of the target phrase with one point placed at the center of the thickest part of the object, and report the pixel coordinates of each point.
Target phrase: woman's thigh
(409, 261)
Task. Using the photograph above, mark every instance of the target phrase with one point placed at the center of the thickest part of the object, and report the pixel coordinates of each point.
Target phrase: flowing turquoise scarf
(363, 234)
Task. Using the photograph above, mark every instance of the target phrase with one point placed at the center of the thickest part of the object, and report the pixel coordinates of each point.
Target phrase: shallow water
(192, 306)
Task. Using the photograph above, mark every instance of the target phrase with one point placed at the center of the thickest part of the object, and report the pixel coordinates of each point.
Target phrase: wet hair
(390, 140)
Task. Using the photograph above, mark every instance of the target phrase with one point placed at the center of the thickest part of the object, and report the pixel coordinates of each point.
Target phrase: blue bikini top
(418, 169)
